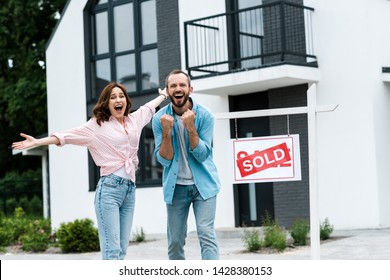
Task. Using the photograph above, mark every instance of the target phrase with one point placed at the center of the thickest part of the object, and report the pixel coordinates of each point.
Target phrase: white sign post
(311, 111)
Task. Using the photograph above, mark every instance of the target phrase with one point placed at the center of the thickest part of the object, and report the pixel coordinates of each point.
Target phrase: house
(242, 55)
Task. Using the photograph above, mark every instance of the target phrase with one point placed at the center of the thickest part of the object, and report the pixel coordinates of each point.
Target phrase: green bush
(16, 186)
(27, 181)
(11, 228)
(78, 236)
(35, 234)
(326, 230)
(275, 237)
(36, 205)
(267, 220)
(6, 236)
(38, 236)
(139, 235)
(24, 203)
(252, 239)
(10, 205)
(299, 232)
(31, 206)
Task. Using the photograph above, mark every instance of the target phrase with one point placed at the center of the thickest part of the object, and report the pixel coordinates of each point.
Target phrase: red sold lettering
(261, 160)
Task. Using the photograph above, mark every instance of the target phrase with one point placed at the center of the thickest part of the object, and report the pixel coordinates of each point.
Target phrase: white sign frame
(251, 165)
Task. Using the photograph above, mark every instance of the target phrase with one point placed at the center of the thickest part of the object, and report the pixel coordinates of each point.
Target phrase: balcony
(259, 37)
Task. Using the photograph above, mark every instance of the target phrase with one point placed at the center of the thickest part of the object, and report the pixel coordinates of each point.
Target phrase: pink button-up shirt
(111, 145)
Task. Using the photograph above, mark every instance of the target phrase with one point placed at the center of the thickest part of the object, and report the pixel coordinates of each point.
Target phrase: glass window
(149, 69)
(149, 23)
(103, 70)
(101, 33)
(125, 33)
(151, 169)
(125, 70)
(101, 75)
(124, 27)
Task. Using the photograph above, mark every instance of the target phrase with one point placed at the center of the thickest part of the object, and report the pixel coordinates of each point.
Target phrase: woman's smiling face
(117, 103)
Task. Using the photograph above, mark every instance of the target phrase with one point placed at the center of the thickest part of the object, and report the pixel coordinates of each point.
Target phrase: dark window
(121, 46)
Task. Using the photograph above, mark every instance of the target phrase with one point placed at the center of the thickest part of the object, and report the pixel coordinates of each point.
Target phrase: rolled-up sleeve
(144, 114)
(157, 132)
(203, 150)
(80, 136)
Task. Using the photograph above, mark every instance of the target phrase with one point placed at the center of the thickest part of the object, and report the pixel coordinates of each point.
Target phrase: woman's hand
(163, 92)
(158, 100)
(32, 142)
(25, 144)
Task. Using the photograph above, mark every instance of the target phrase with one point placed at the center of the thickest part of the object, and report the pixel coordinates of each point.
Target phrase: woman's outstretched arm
(31, 142)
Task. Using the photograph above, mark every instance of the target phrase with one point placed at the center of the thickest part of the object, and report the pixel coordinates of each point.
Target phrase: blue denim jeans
(114, 207)
(204, 212)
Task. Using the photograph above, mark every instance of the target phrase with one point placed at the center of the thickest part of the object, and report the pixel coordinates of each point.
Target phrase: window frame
(90, 11)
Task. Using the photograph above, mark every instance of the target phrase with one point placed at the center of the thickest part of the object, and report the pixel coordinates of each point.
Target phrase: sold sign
(266, 159)
(261, 160)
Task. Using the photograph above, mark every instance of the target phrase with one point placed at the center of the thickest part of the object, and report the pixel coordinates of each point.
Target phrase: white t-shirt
(184, 177)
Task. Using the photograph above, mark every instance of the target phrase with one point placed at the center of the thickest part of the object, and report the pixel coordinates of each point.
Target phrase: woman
(112, 136)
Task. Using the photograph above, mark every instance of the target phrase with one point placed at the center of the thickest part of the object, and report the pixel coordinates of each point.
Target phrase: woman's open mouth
(118, 108)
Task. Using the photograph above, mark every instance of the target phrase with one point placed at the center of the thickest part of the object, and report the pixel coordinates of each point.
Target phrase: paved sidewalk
(372, 244)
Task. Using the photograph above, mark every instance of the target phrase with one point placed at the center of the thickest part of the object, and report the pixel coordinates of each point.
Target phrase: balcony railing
(261, 36)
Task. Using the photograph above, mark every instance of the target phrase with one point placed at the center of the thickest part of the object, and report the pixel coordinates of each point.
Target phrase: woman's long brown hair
(101, 111)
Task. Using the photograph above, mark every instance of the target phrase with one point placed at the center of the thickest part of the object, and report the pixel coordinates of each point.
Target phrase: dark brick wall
(293, 26)
(291, 199)
(168, 37)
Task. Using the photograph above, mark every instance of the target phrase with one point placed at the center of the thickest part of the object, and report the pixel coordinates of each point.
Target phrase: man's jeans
(204, 212)
(114, 207)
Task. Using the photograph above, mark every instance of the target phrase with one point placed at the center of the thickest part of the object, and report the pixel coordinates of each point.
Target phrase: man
(183, 132)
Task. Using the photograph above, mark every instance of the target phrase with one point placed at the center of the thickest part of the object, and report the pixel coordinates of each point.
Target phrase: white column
(45, 187)
(313, 183)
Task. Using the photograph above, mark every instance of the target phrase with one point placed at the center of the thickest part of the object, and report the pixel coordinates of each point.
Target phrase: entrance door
(255, 200)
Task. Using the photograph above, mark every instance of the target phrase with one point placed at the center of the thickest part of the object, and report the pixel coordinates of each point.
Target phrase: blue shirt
(200, 159)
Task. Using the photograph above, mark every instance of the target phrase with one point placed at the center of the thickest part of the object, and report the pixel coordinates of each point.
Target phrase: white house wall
(69, 196)
(379, 48)
(351, 50)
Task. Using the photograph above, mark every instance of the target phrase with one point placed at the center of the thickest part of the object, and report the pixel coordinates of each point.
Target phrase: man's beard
(182, 102)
